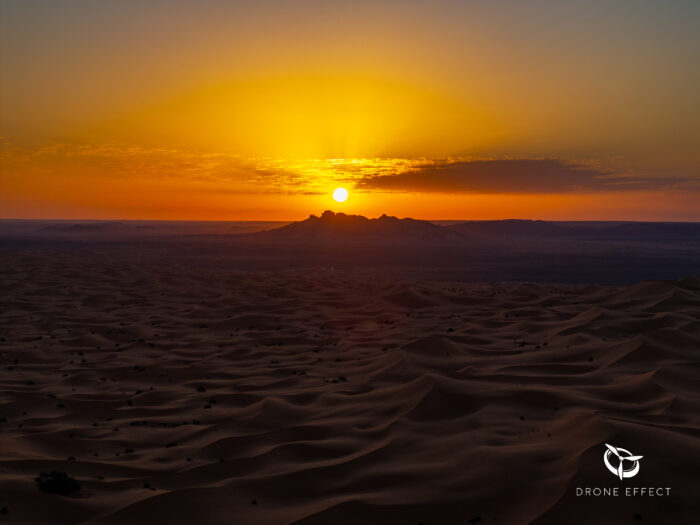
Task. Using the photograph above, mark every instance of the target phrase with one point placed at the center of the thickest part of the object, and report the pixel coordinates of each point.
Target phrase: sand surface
(185, 395)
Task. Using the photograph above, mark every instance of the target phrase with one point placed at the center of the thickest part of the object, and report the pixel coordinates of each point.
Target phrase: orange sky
(443, 110)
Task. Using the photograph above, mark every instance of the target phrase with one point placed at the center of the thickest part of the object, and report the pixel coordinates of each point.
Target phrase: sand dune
(181, 395)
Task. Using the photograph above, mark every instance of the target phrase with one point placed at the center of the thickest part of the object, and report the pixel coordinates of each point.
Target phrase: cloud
(511, 176)
(119, 162)
(220, 172)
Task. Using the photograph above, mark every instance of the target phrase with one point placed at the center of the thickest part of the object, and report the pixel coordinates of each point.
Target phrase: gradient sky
(208, 109)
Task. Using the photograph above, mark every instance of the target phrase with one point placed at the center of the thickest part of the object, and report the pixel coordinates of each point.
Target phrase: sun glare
(340, 194)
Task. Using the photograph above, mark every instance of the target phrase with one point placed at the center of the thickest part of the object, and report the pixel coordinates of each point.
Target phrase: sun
(340, 194)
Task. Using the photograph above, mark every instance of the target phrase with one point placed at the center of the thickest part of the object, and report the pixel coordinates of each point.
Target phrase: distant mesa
(652, 230)
(89, 227)
(339, 225)
(509, 228)
(619, 231)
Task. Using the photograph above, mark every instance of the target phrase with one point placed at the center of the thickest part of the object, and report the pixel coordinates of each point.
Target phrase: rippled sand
(178, 395)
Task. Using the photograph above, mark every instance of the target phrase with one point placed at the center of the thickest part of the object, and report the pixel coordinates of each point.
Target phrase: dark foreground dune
(175, 394)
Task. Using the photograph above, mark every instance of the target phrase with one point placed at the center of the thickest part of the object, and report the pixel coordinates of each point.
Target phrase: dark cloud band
(509, 176)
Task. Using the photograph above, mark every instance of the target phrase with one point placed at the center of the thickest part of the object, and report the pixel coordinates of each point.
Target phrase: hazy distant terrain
(566, 252)
(71, 228)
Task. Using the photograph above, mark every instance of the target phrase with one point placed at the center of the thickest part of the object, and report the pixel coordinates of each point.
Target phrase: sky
(257, 110)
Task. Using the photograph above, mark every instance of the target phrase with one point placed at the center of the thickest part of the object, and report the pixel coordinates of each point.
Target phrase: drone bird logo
(623, 455)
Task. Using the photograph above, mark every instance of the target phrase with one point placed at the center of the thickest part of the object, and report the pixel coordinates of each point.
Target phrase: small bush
(58, 483)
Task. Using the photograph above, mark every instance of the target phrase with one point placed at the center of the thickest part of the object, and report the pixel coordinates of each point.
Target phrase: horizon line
(697, 221)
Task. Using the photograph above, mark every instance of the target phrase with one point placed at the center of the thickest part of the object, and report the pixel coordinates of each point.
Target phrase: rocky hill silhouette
(332, 225)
